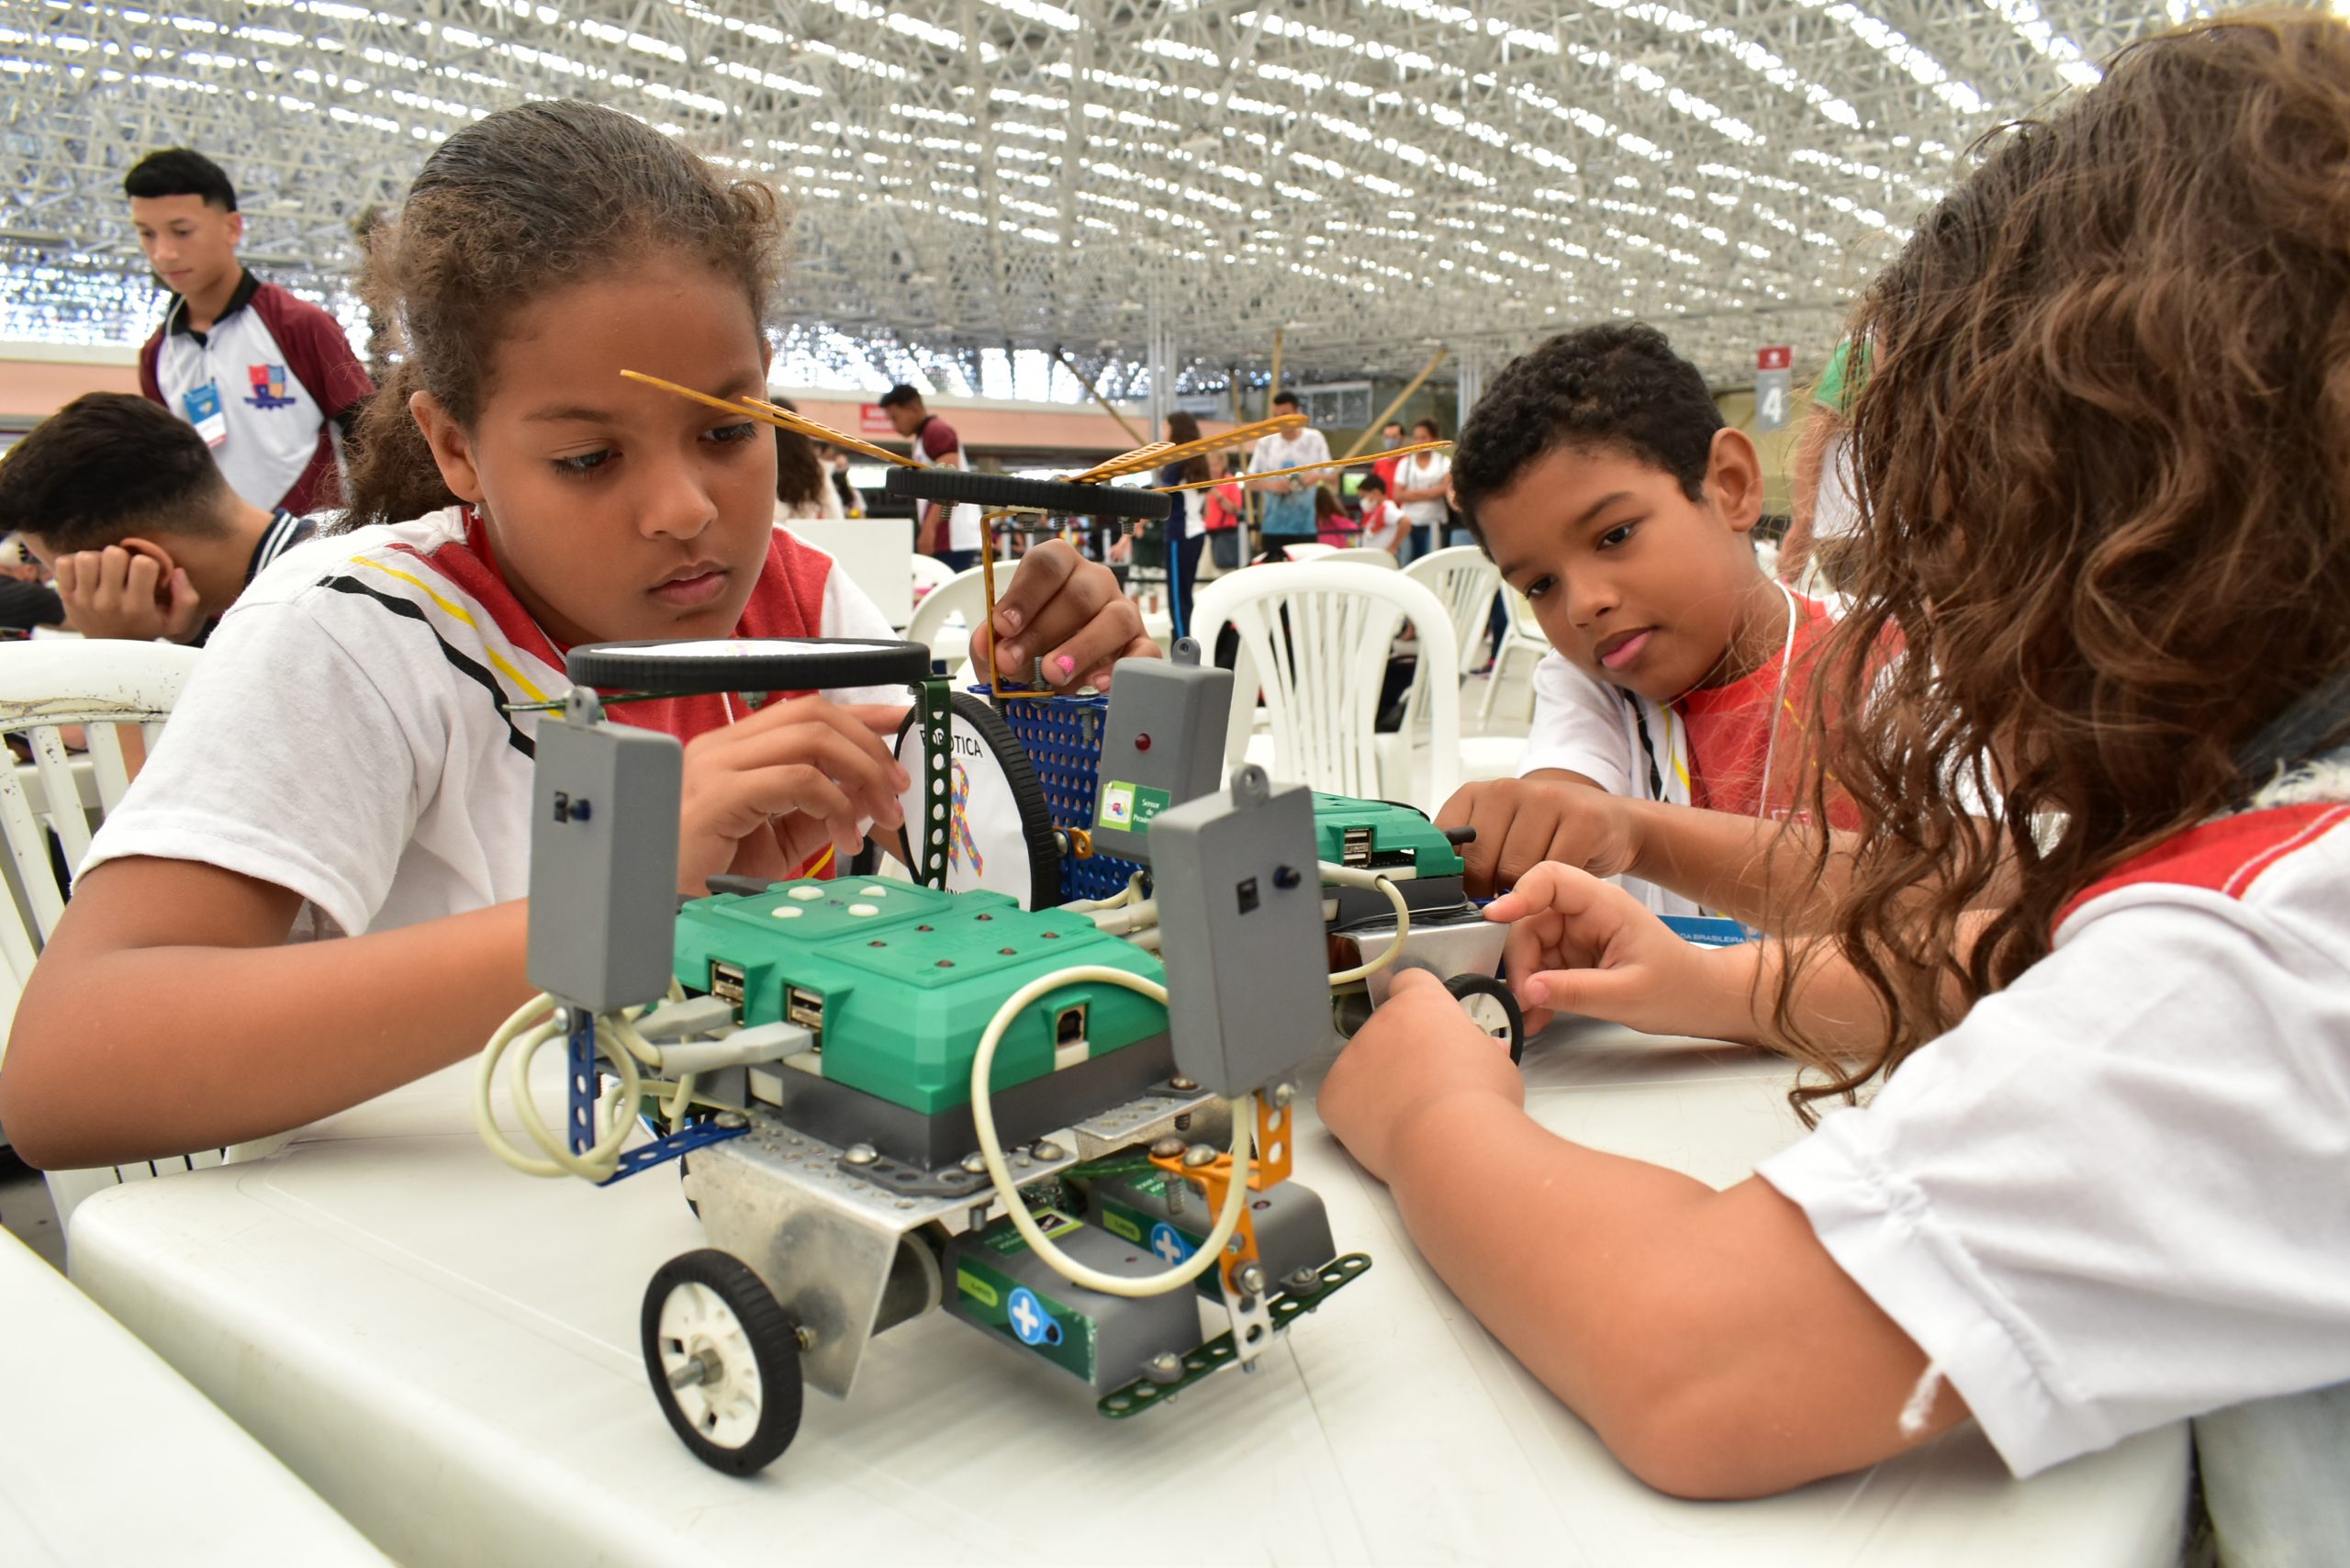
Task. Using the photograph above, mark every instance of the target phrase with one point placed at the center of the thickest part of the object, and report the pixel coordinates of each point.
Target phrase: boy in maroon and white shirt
(265, 378)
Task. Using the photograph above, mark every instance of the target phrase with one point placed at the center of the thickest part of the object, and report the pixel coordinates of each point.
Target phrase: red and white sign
(1781, 356)
(872, 419)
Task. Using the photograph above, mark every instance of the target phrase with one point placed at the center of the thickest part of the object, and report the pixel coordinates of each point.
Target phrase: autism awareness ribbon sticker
(963, 843)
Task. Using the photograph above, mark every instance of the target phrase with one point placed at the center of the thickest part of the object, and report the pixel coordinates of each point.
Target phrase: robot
(1067, 1124)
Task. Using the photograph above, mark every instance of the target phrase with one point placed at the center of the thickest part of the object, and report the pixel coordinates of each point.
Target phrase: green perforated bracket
(928, 835)
(1218, 1353)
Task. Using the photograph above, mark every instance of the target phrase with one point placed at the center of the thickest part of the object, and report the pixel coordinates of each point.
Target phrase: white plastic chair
(1301, 553)
(1464, 581)
(43, 687)
(930, 574)
(1525, 640)
(1315, 635)
(962, 598)
(1368, 555)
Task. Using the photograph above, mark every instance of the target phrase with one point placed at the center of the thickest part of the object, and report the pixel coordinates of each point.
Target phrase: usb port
(726, 984)
(1355, 847)
(804, 1007)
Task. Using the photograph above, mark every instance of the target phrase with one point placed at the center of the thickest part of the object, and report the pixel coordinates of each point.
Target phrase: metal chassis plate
(823, 1234)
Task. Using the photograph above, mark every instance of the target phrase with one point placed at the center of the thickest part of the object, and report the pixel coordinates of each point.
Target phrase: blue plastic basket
(1063, 738)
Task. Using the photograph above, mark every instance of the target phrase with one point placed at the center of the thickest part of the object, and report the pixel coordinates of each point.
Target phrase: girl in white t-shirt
(2104, 512)
(344, 759)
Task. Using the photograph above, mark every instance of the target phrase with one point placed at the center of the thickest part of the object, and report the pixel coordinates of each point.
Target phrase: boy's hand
(1548, 815)
(1579, 944)
(120, 593)
(1070, 610)
(794, 776)
(1419, 1048)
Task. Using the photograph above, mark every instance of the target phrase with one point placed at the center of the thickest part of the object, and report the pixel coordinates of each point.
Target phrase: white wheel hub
(724, 1401)
(1487, 1013)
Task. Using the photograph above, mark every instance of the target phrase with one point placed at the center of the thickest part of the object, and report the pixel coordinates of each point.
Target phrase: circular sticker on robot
(1029, 1319)
(997, 825)
(1168, 1243)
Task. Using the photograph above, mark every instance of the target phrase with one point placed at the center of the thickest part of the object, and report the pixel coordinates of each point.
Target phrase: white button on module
(807, 895)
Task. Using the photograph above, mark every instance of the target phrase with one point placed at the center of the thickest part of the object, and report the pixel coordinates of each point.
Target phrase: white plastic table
(109, 1457)
(448, 1352)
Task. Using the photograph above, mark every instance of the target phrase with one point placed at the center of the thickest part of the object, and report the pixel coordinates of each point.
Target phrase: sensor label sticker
(1129, 807)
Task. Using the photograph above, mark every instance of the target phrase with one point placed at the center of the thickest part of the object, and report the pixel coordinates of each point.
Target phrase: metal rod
(1312, 467)
(784, 419)
(1108, 407)
(1401, 398)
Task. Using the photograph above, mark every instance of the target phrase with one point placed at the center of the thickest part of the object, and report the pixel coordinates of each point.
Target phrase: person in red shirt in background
(950, 534)
(1599, 476)
(1391, 436)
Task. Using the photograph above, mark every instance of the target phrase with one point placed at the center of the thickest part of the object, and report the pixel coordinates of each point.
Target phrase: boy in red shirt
(1598, 473)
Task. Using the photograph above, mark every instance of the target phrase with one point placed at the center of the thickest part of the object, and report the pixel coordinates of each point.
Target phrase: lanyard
(1778, 706)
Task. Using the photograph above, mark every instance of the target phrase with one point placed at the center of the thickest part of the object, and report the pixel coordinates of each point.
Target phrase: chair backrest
(1315, 635)
(931, 573)
(1463, 581)
(45, 687)
(1368, 554)
(962, 595)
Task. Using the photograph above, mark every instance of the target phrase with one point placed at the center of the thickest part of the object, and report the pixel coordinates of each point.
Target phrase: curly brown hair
(2103, 462)
(511, 208)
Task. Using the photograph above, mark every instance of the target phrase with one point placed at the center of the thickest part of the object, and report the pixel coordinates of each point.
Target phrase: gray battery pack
(1239, 895)
(993, 1280)
(604, 803)
(1163, 746)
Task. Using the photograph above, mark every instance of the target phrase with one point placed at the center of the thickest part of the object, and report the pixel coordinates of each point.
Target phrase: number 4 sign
(1773, 368)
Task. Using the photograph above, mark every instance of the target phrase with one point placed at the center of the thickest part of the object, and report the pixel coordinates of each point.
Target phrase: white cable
(1355, 877)
(1227, 1220)
(1126, 919)
(530, 1026)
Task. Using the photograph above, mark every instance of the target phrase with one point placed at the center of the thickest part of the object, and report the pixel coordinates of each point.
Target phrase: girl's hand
(1579, 944)
(1070, 610)
(1419, 1048)
(762, 798)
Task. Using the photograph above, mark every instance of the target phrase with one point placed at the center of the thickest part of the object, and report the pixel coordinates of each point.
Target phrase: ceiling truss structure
(1372, 176)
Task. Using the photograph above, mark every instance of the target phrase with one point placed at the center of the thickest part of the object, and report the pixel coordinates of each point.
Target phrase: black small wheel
(723, 1358)
(1010, 491)
(747, 663)
(1492, 1009)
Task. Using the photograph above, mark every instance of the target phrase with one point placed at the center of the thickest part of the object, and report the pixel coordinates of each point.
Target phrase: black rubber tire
(1035, 810)
(1486, 986)
(834, 662)
(1057, 497)
(775, 1349)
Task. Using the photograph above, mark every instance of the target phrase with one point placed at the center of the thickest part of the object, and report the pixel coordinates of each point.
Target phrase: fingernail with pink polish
(1067, 664)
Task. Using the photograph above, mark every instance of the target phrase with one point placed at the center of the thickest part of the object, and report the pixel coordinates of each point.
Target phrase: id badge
(1708, 930)
(203, 406)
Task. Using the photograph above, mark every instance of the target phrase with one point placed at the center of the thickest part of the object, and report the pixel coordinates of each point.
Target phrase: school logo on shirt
(269, 383)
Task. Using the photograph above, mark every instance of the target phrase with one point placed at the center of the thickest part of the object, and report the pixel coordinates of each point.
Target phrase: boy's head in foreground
(1598, 473)
(111, 468)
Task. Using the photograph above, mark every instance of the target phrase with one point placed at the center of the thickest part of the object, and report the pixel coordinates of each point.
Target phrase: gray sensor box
(1163, 746)
(1239, 897)
(604, 802)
